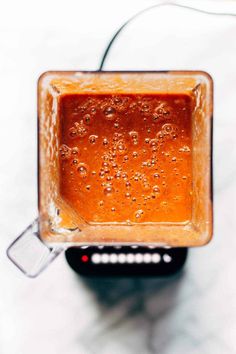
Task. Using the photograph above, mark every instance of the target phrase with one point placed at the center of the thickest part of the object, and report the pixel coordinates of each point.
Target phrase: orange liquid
(126, 158)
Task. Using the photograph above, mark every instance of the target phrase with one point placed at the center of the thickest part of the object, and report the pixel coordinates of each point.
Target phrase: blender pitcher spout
(29, 253)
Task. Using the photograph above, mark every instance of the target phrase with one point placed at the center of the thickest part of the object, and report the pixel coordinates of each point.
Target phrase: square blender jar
(59, 221)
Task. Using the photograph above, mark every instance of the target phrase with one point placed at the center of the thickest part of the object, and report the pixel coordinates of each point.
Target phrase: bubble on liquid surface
(117, 100)
(135, 154)
(110, 113)
(132, 106)
(75, 162)
(128, 184)
(155, 117)
(121, 148)
(145, 107)
(134, 136)
(93, 110)
(72, 132)
(127, 195)
(93, 139)
(118, 175)
(138, 214)
(108, 190)
(87, 119)
(160, 136)
(82, 130)
(184, 148)
(156, 189)
(116, 136)
(105, 142)
(65, 152)
(162, 110)
(168, 128)
(106, 157)
(121, 103)
(75, 151)
(82, 109)
(102, 174)
(106, 169)
(83, 170)
(78, 130)
(153, 162)
(153, 144)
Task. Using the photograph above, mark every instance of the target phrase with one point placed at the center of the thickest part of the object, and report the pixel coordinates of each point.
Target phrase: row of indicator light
(130, 258)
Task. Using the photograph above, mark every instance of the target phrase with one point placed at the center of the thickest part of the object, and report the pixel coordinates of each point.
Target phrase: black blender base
(126, 261)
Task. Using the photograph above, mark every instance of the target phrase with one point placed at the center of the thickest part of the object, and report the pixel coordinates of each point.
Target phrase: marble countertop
(60, 312)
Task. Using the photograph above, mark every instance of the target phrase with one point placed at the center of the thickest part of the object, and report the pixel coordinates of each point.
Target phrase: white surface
(59, 312)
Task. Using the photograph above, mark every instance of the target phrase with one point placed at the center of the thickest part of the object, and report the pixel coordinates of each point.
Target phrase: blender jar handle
(29, 253)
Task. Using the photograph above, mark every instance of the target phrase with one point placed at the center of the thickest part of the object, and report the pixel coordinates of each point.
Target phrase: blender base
(126, 261)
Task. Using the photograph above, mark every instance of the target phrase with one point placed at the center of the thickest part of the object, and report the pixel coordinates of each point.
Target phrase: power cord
(139, 13)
